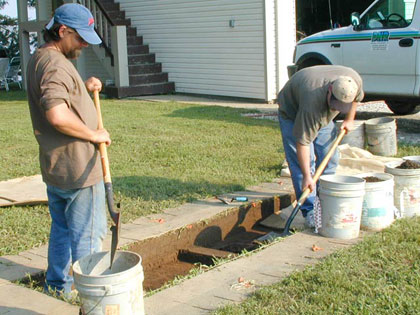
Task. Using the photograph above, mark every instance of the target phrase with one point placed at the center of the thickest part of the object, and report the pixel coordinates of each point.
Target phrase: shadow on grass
(223, 114)
(14, 94)
(160, 188)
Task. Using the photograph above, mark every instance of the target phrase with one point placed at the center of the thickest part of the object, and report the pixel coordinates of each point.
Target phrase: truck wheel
(401, 108)
(310, 63)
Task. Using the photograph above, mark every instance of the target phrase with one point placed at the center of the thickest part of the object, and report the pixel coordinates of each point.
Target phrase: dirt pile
(409, 165)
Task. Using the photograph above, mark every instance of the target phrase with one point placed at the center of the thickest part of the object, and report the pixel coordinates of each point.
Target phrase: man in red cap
(307, 105)
(65, 124)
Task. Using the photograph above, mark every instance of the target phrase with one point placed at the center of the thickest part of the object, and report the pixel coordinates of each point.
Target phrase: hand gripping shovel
(115, 216)
(286, 232)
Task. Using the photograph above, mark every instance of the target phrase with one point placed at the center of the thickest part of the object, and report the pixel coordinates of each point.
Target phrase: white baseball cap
(344, 90)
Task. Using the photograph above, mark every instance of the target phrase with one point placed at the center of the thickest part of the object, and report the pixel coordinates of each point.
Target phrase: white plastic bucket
(378, 202)
(381, 134)
(356, 137)
(406, 189)
(341, 200)
(110, 291)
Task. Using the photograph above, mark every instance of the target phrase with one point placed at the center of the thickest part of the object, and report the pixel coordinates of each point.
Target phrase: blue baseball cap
(77, 17)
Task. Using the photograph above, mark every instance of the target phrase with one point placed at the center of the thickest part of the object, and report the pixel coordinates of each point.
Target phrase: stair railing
(103, 23)
(114, 40)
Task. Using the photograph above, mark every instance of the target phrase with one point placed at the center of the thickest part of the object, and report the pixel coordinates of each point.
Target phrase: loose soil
(222, 237)
(372, 179)
(409, 165)
(175, 253)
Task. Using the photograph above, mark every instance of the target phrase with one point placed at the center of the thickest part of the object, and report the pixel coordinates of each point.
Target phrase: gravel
(364, 112)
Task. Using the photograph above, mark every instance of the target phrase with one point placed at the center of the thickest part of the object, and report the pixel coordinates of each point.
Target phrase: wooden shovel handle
(102, 146)
(323, 164)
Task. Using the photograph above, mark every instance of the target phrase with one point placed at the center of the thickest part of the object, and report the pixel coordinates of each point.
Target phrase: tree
(9, 31)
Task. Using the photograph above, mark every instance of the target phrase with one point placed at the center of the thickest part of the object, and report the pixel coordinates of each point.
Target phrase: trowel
(115, 215)
(286, 232)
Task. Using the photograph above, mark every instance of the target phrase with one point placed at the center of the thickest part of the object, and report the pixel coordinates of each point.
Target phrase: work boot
(310, 220)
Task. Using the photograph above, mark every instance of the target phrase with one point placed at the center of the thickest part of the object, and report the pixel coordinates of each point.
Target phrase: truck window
(388, 14)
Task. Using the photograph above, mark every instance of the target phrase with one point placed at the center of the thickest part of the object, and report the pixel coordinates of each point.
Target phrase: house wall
(286, 38)
(270, 49)
(201, 52)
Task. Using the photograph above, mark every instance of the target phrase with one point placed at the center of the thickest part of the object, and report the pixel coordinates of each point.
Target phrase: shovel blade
(115, 229)
(272, 236)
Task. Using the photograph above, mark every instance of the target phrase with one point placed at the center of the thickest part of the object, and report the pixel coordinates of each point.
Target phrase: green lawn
(162, 155)
(380, 275)
(166, 154)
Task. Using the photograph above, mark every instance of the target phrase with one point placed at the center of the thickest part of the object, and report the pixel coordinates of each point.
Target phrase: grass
(380, 275)
(165, 154)
(162, 155)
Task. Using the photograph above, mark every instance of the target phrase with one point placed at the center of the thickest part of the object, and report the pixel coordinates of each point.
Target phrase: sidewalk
(194, 296)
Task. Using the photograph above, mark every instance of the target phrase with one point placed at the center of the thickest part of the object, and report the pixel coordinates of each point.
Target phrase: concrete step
(145, 68)
(137, 90)
(138, 79)
(135, 40)
(126, 22)
(141, 59)
(110, 5)
(137, 49)
(118, 14)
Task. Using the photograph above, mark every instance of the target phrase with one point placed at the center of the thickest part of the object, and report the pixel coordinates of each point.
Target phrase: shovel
(115, 216)
(286, 232)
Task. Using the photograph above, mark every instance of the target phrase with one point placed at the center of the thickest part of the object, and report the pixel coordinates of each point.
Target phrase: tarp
(355, 161)
(28, 190)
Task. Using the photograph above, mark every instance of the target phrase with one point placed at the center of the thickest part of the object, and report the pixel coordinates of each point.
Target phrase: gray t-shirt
(304, 99)
(66, 162)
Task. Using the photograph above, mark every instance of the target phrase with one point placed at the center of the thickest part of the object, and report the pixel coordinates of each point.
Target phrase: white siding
(286, 38)
(270, 50)
(197, 47)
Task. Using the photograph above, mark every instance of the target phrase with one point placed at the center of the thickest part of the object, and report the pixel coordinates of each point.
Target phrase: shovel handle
(102, 146)
(323, 164)
(105, 164)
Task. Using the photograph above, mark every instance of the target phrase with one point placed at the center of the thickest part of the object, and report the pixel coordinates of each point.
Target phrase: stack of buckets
(349, 203)
(378, 134)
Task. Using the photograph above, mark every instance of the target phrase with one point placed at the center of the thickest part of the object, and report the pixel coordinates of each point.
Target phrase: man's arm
(304, 157)
(348, 122)
(66, 122)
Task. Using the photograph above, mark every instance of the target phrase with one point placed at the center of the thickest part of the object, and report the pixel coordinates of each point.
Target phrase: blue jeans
(78, 228)
(319, 148)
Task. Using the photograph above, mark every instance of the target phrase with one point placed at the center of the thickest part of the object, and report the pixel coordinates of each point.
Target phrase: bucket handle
(99, 291)
(107, 290)
(404, 194)
(397, 213)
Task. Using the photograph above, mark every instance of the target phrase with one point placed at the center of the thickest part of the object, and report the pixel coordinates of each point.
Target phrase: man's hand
(347, 125)
(93, 84)
(101, 136)
(308, 182)
(304, 158)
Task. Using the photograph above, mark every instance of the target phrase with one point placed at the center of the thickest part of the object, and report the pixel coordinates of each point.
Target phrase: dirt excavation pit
(224, 236)
(175, 253)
